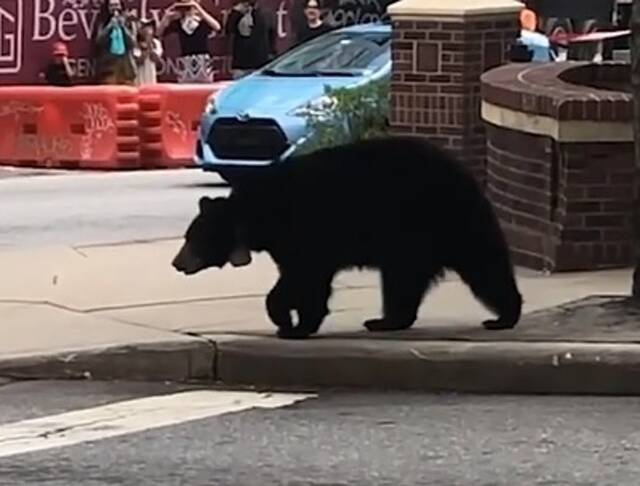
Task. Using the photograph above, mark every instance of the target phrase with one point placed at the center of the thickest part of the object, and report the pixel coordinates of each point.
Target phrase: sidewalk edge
(177, 360)
(382, 364)
(435, 366)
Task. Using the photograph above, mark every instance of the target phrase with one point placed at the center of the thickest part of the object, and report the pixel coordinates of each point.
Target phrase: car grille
(250, 140)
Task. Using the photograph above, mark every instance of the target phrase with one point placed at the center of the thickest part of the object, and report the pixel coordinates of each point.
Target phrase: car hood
(265, 95)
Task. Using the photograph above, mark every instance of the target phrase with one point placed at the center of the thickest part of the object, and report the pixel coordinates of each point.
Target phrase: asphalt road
(340, 439)
(94, 208)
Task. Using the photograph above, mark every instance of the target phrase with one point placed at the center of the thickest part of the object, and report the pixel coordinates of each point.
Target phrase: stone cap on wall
(453, 8)
(552, 89)
(568, 101)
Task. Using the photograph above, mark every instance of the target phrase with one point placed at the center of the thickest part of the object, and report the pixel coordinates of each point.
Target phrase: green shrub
(356, 114)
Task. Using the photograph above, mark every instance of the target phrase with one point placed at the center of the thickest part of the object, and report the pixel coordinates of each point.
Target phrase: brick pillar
(440, 49)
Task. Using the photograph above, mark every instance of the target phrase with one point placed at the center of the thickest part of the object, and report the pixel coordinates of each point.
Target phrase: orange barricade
(169, 119)
(102, 127)
(89, 127)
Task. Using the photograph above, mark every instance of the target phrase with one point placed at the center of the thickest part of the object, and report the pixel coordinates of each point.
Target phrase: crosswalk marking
(131, 416)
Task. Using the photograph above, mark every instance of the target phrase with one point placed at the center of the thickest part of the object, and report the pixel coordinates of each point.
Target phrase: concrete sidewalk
(122, 312)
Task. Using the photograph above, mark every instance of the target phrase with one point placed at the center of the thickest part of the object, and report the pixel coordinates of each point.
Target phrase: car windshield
(335, 54)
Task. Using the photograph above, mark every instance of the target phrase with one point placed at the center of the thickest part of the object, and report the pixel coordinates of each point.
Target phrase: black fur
(397, 204)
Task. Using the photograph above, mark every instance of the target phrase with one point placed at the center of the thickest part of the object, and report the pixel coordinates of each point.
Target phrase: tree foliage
(349, 114)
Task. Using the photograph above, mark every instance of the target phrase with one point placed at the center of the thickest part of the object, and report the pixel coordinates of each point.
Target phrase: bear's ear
(204, 203)
(207, 204)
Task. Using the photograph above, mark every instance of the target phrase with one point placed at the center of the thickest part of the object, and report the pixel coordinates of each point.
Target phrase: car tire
(227, 176)
(233, 176)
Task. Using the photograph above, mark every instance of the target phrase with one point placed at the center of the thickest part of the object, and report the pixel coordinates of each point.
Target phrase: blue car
(260, 119)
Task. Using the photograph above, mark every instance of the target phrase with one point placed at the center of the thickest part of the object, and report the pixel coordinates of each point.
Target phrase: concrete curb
(433, 366)
(437, 366)
(163, 361)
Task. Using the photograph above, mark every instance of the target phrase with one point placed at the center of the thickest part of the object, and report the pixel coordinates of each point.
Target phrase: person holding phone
(148, 53)
(193, 25)
(58, 72)
(113, 44)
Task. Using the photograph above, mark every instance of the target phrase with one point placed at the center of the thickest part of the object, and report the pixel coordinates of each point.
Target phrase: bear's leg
(497, 289)
(309, 292)
(403, 288)
(279, 305)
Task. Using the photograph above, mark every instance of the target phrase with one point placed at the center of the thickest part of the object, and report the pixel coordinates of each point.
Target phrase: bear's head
(213, 239)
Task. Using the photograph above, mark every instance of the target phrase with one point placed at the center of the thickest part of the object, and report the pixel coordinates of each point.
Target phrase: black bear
(397, 204)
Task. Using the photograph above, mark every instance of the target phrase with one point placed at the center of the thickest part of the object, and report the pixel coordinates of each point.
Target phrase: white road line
(130, 416)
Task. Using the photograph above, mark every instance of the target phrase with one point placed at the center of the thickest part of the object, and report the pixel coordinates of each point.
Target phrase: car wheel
(228, 177)
(234, 176)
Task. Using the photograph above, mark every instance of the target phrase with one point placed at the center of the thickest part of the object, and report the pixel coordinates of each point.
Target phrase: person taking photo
(148, 53)
(58, 72)
(113, 44)
(193, 25)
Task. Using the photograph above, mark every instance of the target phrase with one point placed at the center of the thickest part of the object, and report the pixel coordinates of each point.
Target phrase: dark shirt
(56, 75)
(306, 33)
(196, 43)
(255, 50)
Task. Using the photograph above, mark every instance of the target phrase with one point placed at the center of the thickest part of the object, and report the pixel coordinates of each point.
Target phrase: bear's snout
(187, 262)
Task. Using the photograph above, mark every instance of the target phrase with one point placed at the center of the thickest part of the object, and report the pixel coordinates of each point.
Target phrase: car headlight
(210, 107)
(318, 107)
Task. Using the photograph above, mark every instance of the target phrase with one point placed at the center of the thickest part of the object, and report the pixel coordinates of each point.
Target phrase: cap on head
(60, 50)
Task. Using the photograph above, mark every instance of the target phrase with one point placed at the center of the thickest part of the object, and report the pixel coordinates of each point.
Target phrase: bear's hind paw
(382, 325)
(293, 333)
(498, 325)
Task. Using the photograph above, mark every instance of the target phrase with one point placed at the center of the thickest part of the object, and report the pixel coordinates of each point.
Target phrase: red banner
(28, 28)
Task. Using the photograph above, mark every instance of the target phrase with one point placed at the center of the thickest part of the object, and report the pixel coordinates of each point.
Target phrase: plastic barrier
(101, 127)
(169, 120)
(86, 127)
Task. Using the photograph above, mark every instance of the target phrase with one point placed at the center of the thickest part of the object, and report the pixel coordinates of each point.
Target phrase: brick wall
(436, 89)
(561, 90)
(562, 206)
(565, 204)
(595, 201)
(522, 183)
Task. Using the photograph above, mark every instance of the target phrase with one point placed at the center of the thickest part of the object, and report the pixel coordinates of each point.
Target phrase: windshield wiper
(271, 72)
(348, 74)
(311, 74)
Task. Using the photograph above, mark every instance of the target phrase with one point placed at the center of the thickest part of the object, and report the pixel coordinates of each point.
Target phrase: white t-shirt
(147, 71)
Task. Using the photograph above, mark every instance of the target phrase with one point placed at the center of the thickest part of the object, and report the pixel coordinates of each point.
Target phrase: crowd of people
(127, 49)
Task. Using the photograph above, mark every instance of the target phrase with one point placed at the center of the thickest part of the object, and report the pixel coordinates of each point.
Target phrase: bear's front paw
(280, 317)
(498, 324)
(293, 333)
(279, 311)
